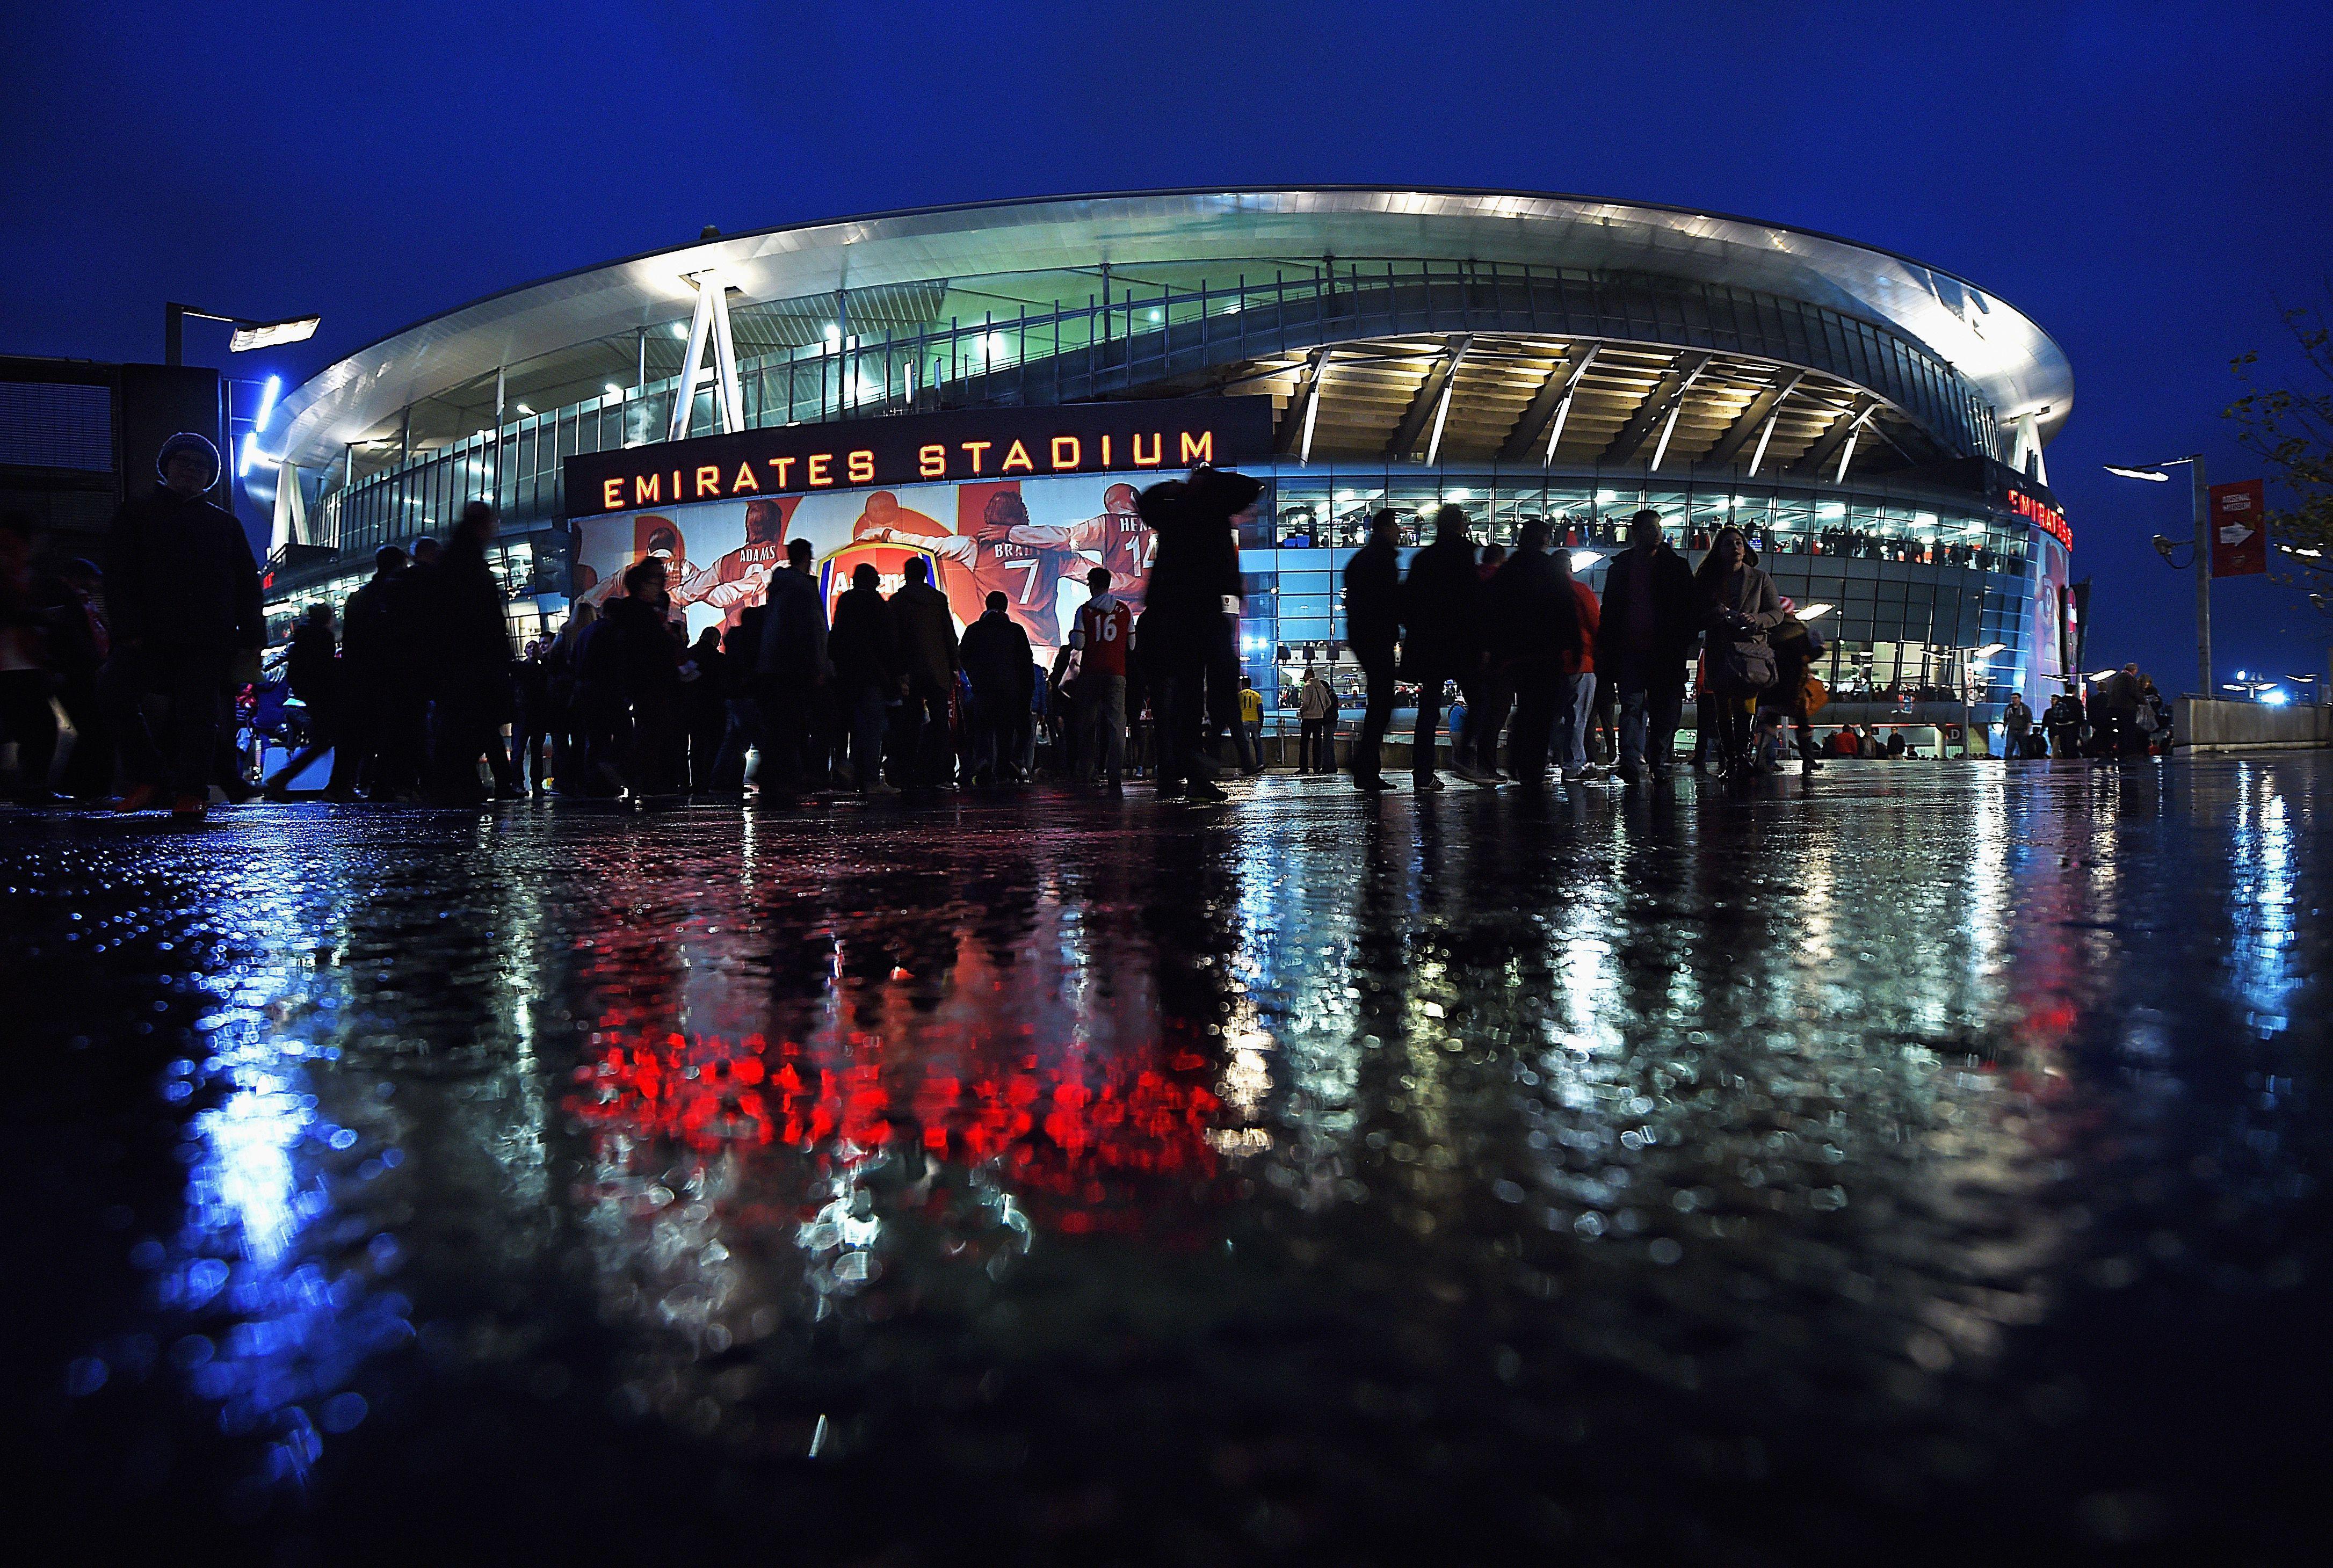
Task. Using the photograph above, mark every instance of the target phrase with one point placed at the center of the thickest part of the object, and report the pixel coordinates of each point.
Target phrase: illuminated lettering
(861, 466)
(781, 465)
(931, 462)
(1075, 451)
(1158, 450)
(646, 487)
(708, 483)
(1016, 454)
(744, 479)
(815, 465)
(611, 494)
(976, 448)
(1105, 452)
(676, 486)
(1198, 450)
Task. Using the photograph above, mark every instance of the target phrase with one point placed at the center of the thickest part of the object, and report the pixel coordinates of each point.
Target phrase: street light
(2152, 474)
(248, 334)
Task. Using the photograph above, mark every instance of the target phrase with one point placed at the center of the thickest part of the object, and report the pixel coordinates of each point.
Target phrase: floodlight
(250, 335)
(268, 394)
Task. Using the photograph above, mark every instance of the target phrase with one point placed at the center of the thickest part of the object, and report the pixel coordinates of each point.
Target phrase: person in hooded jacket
(1741, 608)
(183, 592)
(1188, 621)
(1440, 605)
(1532, 622)
(1372, 626)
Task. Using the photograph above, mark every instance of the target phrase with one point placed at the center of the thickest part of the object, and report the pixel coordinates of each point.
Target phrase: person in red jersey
(1105, 627)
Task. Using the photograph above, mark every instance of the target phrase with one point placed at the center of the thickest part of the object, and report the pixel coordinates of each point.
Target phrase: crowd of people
(416, 694)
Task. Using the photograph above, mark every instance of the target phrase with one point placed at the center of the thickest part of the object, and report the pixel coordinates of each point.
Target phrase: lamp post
(2155, 474)
(248, 334)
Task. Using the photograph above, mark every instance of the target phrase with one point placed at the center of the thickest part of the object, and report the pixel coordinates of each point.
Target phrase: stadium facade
(1876, 424)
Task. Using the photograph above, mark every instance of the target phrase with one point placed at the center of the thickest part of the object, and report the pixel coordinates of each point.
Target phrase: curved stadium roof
(2007, 359)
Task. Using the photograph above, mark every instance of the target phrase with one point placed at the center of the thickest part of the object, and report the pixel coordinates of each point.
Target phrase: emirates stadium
(991, 384)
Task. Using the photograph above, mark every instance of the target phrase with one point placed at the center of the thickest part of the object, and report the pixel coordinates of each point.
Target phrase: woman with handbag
(1740, 608)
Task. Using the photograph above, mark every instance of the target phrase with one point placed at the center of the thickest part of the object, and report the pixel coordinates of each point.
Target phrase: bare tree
(2290, 428)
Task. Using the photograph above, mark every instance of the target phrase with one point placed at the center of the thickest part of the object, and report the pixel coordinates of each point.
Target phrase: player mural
(1032, 541)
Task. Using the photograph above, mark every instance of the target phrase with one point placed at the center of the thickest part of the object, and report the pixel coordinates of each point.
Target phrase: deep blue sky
(2146, 180)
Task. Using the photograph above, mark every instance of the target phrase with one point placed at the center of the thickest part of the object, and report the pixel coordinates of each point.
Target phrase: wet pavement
(1921, 1163)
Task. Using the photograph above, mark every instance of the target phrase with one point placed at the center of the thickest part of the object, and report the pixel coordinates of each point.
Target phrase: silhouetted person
(368, 653)
(473, 691)
(26, 680)
(1477, 746)
(704, 708)
(1190, 613)
(1372, 626)
(311, 669)
(79, 640)
(534, 722)
(2016, 723)
(869, 675)
(742, 647)
(1531, 620)
(927, 648)
(1576, 693)
(1440, 615)
(1644, 643)
(794, 667)
(996, 656)
(184, 596)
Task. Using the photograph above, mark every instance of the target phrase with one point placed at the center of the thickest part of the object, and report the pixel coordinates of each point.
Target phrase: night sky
(2147, 181)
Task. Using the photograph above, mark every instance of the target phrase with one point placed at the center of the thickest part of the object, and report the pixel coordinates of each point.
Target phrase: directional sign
(2239, 521)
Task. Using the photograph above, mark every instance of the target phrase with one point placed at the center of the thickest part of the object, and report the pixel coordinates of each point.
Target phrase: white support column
(291, 526)
(710, 321)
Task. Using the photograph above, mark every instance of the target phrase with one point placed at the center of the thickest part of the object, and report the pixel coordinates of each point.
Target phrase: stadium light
(2153, 472)
(248, 334)
(268, 394)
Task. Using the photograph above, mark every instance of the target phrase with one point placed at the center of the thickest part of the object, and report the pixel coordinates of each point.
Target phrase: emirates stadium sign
(1158, 437)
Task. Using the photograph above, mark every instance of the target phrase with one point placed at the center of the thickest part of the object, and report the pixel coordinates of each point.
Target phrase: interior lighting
(1581, 559)
(525, 410)
(680, 331)
(268, 394)
(614, 390)
(1815, 611)
(833, 333)
(1461, 494)
(2151, 475)
(1607, 497)
(1831, 509)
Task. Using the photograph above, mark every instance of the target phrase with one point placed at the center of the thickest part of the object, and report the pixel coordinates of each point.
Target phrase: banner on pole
(2239, 521)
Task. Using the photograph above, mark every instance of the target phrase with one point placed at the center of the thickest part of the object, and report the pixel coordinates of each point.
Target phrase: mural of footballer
(1001, 553)
(1118, 538)
(742, 577)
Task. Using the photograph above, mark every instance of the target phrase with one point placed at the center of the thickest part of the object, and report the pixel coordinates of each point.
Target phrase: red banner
(2238, 529)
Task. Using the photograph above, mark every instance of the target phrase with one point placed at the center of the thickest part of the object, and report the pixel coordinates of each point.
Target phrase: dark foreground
(1925, 1166)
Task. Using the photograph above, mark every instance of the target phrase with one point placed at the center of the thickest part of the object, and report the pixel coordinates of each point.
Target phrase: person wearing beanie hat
(182, 591)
